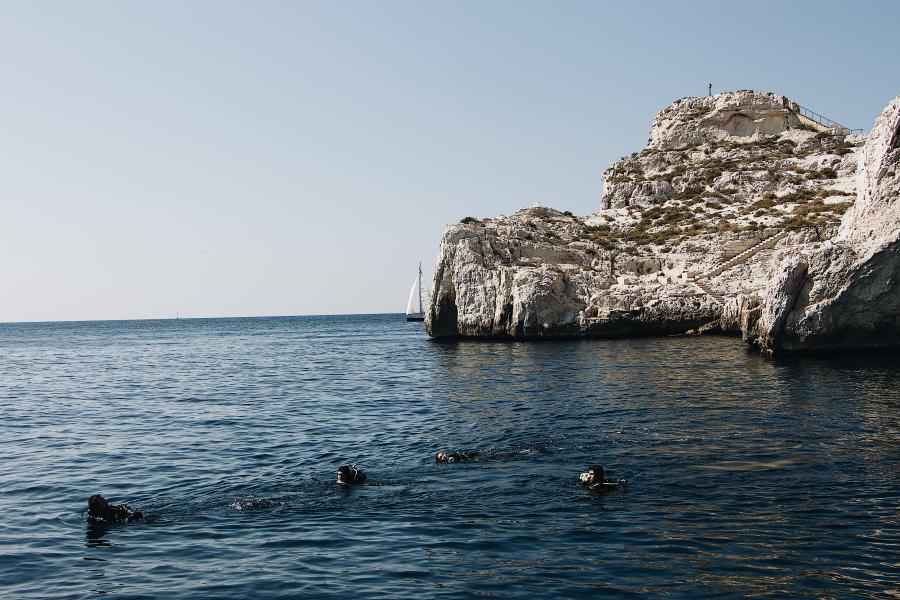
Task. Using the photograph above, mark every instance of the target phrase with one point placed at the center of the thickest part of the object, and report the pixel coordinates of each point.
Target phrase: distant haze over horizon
(217, 159)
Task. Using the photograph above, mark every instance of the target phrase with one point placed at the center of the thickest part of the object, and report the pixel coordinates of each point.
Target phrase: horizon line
(195, 318)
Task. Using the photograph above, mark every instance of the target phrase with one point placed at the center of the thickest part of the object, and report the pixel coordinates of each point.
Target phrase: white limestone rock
(534, 274)
(690, 232)
(742, 114)
(849, 297)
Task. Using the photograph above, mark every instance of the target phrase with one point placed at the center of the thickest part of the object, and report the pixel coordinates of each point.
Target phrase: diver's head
(97, 505)
(343, 474)
(596, 473)
(442, 457)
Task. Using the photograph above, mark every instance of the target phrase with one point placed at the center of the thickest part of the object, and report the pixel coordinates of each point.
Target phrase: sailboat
(415, 299)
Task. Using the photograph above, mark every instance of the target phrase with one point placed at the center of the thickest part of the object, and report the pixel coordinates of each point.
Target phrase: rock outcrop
(846, 295)
(743, 114)
(716, 226)
(538, 274)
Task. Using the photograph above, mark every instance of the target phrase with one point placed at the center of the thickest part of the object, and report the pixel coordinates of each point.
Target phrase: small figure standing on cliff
(348, 474)
(455, 457)
(710, 90)
(101, 511)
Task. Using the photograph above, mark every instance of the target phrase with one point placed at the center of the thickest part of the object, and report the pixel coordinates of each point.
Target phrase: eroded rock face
(874, 218)
(742, 114)
(849, 297)
(714, 226)
(767, 321)
(723, 155)
(536, 274)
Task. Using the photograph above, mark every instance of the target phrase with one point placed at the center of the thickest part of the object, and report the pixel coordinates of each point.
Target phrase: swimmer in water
(593, 476)
(101, 511)
(348, 474)
(455, 457)
(594, 480)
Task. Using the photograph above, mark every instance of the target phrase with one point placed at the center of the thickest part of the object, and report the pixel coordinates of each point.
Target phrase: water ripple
(748, 477)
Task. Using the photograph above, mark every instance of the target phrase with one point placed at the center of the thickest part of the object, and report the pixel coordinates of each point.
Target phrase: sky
(216, 159)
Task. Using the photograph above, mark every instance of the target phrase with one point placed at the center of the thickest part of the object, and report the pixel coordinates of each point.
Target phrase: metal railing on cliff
(824, 121)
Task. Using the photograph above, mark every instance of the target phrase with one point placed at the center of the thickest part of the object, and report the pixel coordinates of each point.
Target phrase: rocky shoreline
(740, 216)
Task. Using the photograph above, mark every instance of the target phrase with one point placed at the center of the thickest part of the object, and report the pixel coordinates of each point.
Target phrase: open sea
(747, 477)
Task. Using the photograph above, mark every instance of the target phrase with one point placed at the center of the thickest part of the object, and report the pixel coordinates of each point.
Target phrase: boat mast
(420, 287)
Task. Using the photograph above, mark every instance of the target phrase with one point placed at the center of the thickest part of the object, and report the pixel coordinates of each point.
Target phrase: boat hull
(415, 317)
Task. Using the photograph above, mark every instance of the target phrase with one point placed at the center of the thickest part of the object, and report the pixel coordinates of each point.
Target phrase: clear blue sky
(269, 158)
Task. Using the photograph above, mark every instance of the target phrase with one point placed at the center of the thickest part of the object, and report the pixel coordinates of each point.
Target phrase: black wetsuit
(607, 485)
(454, 457)
(116, 513)
(352, 475)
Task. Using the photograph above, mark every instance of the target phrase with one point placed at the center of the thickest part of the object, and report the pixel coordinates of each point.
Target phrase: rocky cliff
(845, 294)
(730, 189)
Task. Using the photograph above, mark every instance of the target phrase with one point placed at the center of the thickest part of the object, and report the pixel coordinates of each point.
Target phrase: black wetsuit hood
(101, 511)
(352, 475)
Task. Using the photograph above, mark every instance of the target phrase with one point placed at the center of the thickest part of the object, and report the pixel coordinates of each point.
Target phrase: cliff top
(743, 115)
(733, 161)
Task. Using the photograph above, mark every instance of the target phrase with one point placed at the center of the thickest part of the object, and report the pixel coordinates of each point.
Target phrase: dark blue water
(748, 477)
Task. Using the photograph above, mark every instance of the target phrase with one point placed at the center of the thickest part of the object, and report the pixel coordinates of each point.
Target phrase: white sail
(410, 306)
